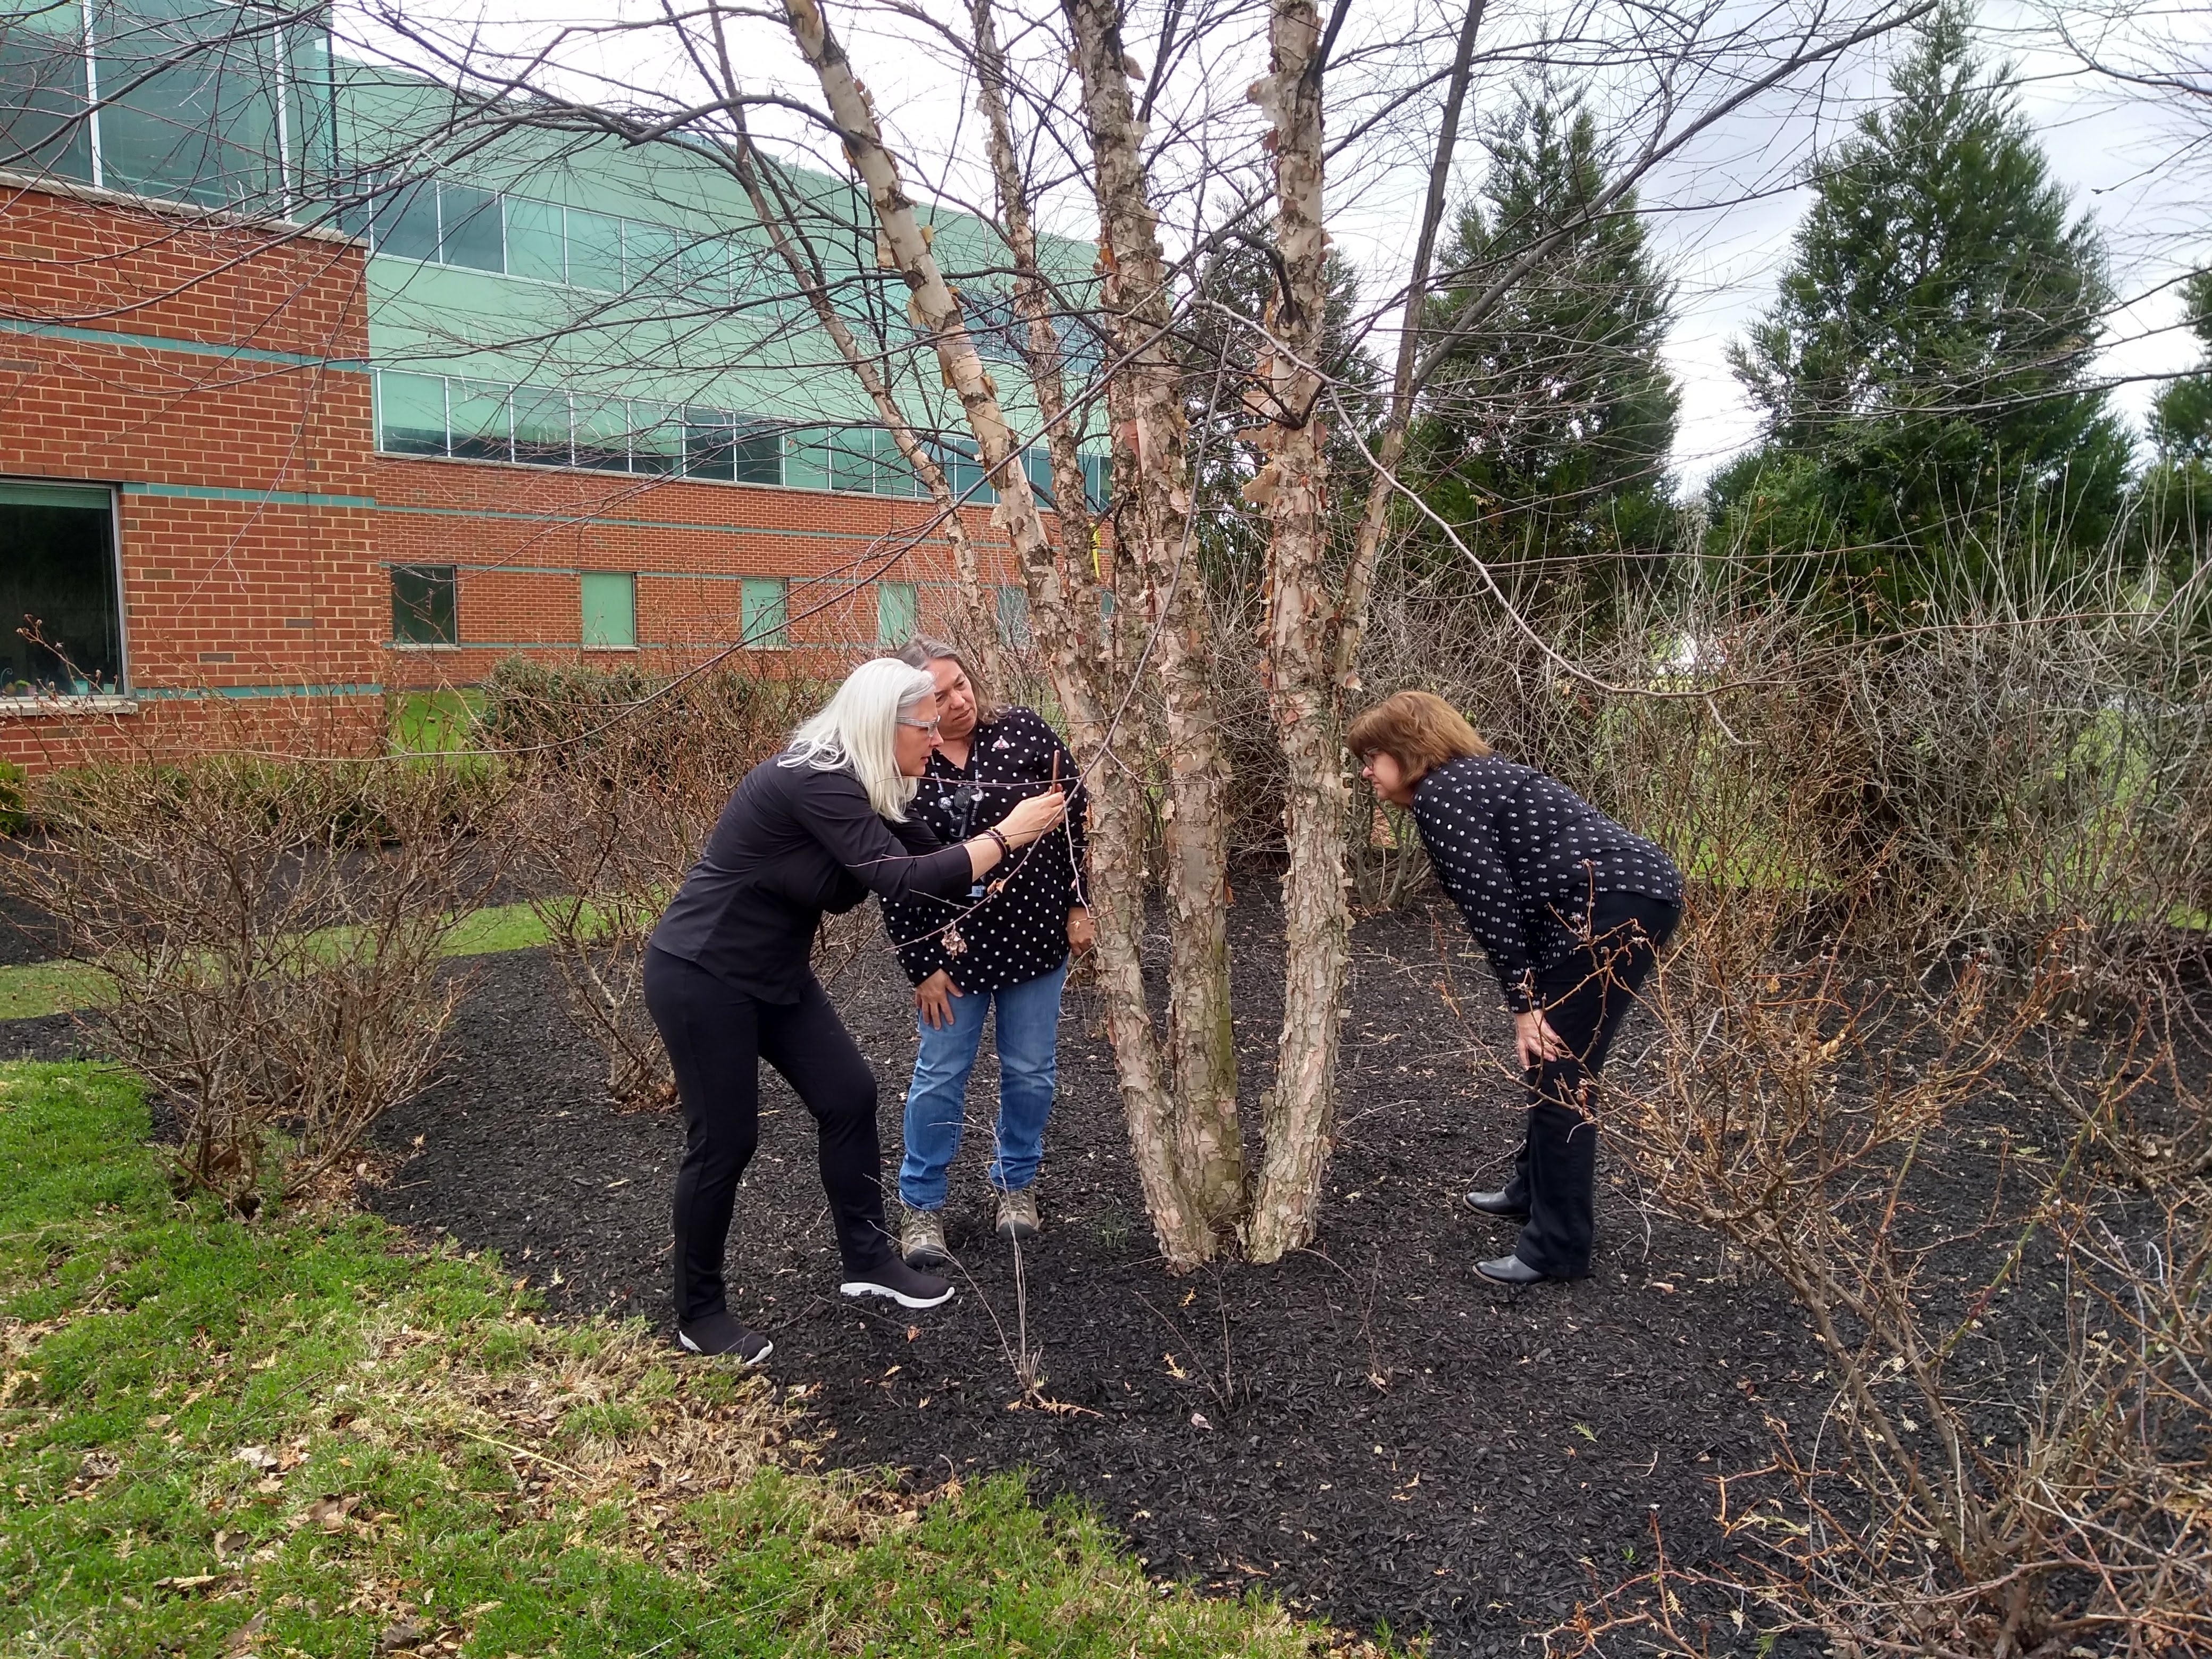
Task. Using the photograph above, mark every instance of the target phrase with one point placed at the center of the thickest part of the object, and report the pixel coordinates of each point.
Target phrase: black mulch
(1367, 1430)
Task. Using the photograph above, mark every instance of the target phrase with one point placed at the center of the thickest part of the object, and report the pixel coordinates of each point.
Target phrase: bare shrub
(272, 932)
(620, 780)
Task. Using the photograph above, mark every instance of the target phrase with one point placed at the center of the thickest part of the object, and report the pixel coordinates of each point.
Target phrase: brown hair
(921, 651)
(1419, 730)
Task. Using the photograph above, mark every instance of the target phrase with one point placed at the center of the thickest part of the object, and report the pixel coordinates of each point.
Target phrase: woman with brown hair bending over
(1570, 908)
(815, 828)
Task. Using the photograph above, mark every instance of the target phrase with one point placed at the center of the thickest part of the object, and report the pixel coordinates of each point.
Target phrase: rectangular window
(406, 223)
(425, 604)
(478, 421)
(853, 462)
(595, 254)
(765, 614)
(469, 228)
(188, 89)
(609, 611)
(1014, 616)
(411, 413)
(43, 92)
(541, 426)
(649, 258)
(806, 456)
(1098, 479)
(898, 614)
(536, 245)
(58, 582)
(602, 428)
(656, 437)
(757, 456)
(893, 476)
(708, 440)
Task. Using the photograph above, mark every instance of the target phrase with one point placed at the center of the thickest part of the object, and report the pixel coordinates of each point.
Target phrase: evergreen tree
(1544, 437)
(2173, 501)
(2181, 418)
(1923, 372)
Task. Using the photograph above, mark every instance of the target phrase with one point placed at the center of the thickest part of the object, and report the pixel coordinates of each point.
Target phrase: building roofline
(168, 208)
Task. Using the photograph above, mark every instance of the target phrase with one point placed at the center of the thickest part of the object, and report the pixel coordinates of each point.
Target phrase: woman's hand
(1032, 817)
(1082, 931)
(1534, 1037)
(933, 999)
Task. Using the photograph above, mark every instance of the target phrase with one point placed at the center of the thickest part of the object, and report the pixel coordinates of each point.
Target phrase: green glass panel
(1098, 479)
(806, 457)
(893, 476)
(411, 413)
(602, 429)
(765, 606)
(649, 262)
(706, 273)
(536, 245)
(192, 114)
(853, 462)
(478, 420)
(43, 128)
(541, 426)
(708, 445)
(425, 604)
(610, 603)
(656, 437)
(310, 114)
(405, 223)
(898, 614)
(595, 257)
(60, 566)
(469, 228)
(756, 457)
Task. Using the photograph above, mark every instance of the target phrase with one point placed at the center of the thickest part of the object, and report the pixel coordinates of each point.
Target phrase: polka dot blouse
(993, 939)
(1523, 856)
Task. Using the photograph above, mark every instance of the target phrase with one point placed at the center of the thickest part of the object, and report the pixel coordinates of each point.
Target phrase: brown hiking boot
(921, 1238)
(1017, 1221)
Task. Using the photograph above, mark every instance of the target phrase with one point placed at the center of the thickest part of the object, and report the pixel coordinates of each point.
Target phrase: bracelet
(1006, 846)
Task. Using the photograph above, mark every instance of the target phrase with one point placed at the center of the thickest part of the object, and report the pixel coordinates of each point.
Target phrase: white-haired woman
(727, 978)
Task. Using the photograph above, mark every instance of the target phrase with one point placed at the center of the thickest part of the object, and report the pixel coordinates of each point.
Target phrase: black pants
(1584, 999)
(717, 1037)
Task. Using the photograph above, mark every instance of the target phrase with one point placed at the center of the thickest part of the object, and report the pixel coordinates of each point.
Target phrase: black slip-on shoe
(1509, 1270)
(719, 1336)
(1502, 1204)
(891, 1277)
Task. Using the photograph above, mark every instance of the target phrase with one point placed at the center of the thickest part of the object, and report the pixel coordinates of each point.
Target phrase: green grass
(32, 990)
(435, 722)
(224, 1439)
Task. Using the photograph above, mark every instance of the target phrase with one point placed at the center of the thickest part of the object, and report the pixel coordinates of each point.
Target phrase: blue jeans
(937, 1100)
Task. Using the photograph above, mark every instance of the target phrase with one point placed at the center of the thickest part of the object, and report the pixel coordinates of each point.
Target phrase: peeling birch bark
(1293, 488)
(1078, 656)
(1153, 531)
(1185, 1231)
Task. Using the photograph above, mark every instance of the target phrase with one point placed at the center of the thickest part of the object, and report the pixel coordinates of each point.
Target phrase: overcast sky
(1722, 214)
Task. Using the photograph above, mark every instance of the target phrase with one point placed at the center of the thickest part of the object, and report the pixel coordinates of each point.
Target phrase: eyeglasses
(920, 725)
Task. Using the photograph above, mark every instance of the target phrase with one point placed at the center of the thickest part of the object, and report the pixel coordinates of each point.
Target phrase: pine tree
(2173, 501)
(1544, 438)
(1923, 373)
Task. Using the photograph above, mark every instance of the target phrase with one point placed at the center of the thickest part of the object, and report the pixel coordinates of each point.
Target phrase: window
(609, 611)
(757, 456)
(1014, 616)
(406, 223)
(541, 426)
(708, 445)
(602, 428)
(656, 437)
(898, 614)
(190, 92)
(42, 90)
(425, 608)
(595, 254)
(411, 413)
(476, 420)
(536, 244)
(649, 256)
(469, 228)
(58, 581)
(765, 612)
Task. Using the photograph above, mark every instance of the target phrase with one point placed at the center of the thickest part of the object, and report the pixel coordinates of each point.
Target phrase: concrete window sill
(50, 707)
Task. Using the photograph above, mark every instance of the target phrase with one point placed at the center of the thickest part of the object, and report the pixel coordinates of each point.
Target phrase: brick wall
(239, 451)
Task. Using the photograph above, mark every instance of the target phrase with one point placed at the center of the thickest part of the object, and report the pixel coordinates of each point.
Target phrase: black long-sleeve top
(987, 939)
(1524, 857)
(794, 842)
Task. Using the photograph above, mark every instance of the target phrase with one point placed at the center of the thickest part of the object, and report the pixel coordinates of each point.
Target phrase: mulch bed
(1367, 1430)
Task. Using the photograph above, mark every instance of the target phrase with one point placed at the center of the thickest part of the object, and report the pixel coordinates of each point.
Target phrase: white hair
(856, 729)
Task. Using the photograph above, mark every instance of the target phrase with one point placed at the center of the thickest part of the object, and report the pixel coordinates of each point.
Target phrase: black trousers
(717, 1037)
(1585, 998)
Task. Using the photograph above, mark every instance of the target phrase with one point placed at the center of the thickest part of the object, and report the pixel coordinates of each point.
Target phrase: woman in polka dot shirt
(1571, 909)
(1006, 943)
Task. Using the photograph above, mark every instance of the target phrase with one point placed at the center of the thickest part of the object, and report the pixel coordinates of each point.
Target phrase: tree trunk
(1292, 487)
(1153, 527)
(1072, 632)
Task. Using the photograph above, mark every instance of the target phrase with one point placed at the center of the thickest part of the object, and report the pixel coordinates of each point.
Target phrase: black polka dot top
(1523, 856)
(1012, 926)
